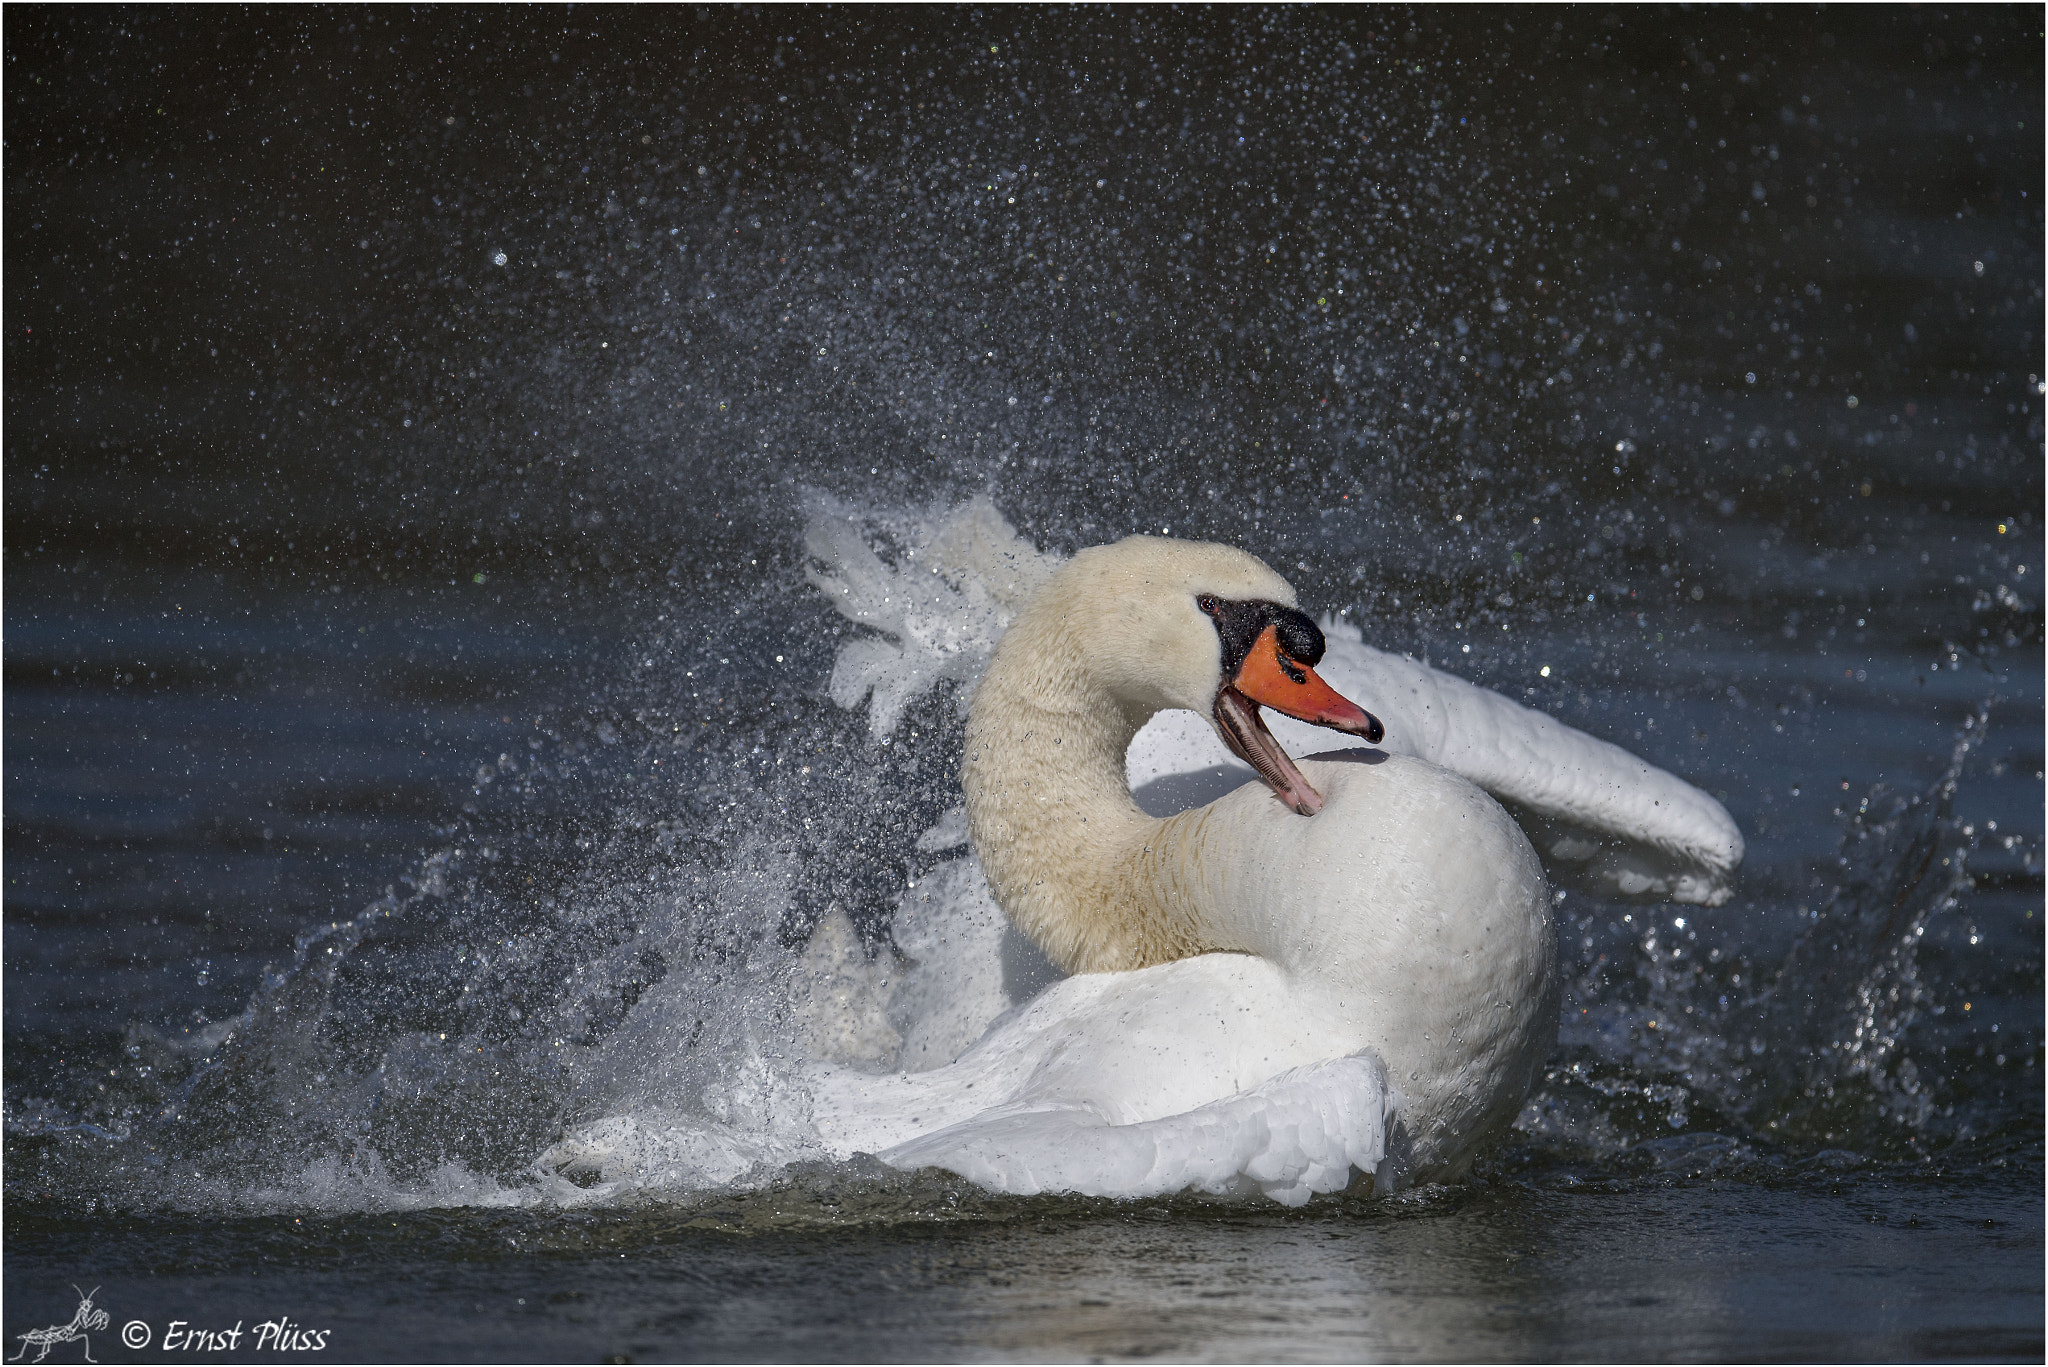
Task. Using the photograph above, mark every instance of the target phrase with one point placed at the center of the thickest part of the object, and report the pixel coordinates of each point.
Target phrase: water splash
(608, 996)
(1814, 1056)
(1837, 1014)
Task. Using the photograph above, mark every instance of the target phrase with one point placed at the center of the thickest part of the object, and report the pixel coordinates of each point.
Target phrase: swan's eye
(1209, 603)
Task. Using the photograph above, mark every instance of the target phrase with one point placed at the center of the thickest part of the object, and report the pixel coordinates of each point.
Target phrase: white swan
(1263, 998)
(1249, 970)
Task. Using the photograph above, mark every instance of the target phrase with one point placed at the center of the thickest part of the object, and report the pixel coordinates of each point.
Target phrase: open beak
(1269, 677)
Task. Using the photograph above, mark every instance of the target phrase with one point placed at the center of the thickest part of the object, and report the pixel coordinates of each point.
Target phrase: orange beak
(1272, 679)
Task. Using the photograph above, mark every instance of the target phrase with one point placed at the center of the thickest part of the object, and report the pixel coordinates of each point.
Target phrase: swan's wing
(1291, 1136)
(941, 609)
(1632, 826)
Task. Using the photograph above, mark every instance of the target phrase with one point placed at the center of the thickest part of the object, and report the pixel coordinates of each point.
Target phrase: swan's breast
(1419, 907)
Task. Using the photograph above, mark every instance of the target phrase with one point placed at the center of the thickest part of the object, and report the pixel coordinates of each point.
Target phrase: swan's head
(1212, 629)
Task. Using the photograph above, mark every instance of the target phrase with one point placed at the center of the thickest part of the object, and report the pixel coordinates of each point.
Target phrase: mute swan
(1254, 1049)
(1360, 947)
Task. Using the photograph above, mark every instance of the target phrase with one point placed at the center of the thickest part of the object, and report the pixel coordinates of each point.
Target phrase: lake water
(412, 678)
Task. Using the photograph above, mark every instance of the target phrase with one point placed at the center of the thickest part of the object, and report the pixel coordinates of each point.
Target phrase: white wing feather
(1292, 1136)
(942, 611)
(1568, 786)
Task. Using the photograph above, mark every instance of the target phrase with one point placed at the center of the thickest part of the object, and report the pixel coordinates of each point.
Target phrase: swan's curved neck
(1071, 859)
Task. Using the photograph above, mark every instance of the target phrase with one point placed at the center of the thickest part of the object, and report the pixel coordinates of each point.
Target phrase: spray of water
(1813, 1054)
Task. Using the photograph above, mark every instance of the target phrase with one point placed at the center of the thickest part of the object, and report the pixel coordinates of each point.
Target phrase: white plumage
(1209, 1072)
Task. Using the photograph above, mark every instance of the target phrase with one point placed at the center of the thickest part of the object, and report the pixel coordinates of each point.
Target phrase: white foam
(951, 931)
(632, 1153)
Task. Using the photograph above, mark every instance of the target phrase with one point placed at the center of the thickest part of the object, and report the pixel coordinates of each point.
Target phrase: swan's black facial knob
(1239, 624)
(1300, 637)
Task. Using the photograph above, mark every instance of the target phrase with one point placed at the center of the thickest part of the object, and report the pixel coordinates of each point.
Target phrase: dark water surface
(1810, 1267)
(409, 427)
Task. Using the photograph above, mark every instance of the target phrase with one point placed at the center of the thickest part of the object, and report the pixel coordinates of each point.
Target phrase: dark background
(291, 459)
(254, 320)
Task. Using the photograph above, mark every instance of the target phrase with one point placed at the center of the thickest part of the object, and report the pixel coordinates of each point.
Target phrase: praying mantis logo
(45, 1339)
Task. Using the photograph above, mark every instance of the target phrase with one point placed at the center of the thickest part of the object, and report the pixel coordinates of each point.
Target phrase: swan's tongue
(1238, 722)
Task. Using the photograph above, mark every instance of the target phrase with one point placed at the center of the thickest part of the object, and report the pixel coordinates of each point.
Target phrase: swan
(1338, 966)
(1356, 951)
